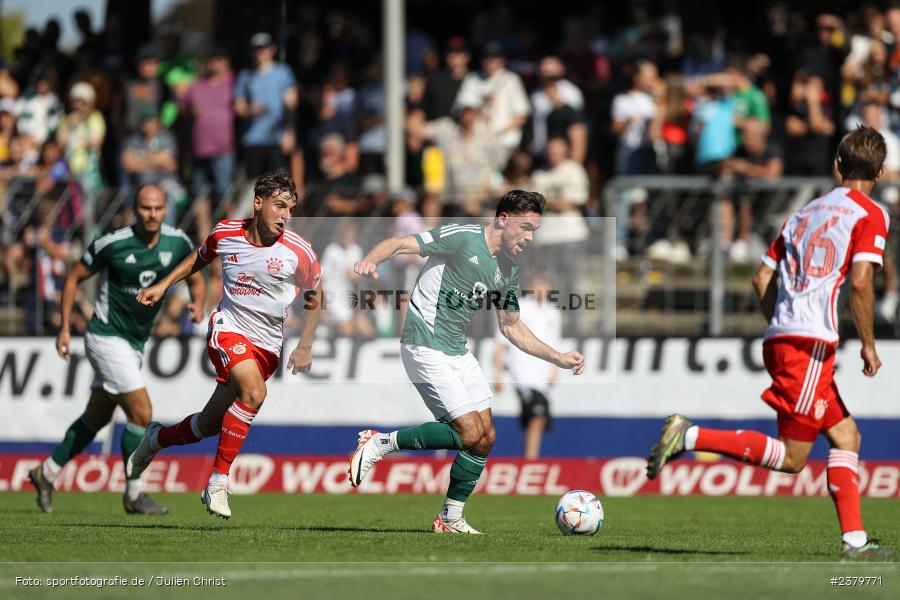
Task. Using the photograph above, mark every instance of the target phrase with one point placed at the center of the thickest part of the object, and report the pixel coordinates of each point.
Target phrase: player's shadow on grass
(649, 550)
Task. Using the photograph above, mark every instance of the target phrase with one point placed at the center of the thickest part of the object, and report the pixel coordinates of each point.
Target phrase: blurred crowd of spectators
(491, 109)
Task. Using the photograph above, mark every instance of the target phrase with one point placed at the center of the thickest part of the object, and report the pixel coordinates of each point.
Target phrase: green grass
(340, 546)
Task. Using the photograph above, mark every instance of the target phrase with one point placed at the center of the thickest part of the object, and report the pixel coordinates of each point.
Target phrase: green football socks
(78, 436)
(429, 436)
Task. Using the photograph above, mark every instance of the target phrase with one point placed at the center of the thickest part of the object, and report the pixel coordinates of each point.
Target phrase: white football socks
(133, 488)
(50, 469)
(690, 437)
(857, 539)
(452, 510)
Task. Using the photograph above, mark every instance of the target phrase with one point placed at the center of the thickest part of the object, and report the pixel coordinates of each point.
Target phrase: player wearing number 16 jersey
(843, 232)
(264, 265)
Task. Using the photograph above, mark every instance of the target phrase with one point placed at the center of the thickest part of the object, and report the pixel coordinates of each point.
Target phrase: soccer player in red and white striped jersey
(843, 232)
(264, 266)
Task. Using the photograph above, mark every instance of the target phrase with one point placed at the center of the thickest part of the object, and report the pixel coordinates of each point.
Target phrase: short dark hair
(272, 183)
(520, 202)
(861, 154)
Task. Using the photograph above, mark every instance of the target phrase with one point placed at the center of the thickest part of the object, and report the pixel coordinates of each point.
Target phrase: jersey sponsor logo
(273, 266)
(238, 349)
(244, 286)
(165, 258)
(479, 291)
(474, 260)
(130, 260)
(880, 242)
(233, 258)
(821, 407)
(146, 278)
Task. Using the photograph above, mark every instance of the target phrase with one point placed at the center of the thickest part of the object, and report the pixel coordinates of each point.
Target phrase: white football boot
(457, 526)
(215, 497)
(144, 453)
(371, 448)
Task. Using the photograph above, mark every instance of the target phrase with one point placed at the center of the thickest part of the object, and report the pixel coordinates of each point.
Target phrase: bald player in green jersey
(128, 260)
(469, 267)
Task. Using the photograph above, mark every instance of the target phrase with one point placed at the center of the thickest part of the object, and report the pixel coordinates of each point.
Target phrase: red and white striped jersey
(259, 282)
(812, 255)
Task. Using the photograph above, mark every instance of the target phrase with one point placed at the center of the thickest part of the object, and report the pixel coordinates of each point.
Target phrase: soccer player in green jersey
(129, 259)
(469, 267)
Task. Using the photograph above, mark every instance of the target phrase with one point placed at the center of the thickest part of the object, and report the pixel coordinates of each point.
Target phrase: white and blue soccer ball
(579, 513)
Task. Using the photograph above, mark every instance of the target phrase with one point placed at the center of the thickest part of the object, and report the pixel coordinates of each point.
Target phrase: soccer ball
(579, 513)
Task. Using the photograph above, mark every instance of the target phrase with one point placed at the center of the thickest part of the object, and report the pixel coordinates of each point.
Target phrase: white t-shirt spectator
(502, 98)
(527, 371)
(470, 161)
(337, 261)
(569, 181)
(638, 107)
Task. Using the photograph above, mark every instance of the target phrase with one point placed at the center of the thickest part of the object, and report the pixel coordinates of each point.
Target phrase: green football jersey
(127, 266)
(460, 278)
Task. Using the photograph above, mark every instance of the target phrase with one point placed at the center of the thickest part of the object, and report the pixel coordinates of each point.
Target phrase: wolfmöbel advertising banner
(253, 473)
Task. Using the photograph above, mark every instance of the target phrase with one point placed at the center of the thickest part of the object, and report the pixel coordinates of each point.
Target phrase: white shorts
(117, 366)
(451, 386)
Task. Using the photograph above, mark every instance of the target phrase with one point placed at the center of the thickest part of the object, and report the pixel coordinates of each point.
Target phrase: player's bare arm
(78, 274)
(513, 329)
(766, 285)
(187, 267)
(862, 300)
(300, 360)
(197, 290)
(368, 266)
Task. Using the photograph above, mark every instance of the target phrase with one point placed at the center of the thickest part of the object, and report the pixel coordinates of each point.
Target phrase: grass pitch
(345, 546)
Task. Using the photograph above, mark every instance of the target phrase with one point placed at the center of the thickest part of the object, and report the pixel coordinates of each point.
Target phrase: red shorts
(226, 349)
(803, 392)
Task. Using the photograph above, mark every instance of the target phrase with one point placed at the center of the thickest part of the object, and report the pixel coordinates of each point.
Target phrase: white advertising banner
(364, 383)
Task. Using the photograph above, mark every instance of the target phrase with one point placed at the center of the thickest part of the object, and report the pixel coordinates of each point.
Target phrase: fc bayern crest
(821, 406)
(273, 266)
(238, 349)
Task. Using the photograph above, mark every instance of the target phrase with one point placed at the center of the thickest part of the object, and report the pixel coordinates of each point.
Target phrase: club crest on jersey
(273, 266)
(498, 276)
(238, 349)
(821, 405)
(165, 258)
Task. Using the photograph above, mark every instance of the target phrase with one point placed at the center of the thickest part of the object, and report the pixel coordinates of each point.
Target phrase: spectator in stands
(676, 106)
(9, 87)
(809, 126)
(331, 116)
(531, 377)
(551, 69)
(370, 120)
(471, 154)
(337, 265)
(713, 123)
(7, 126)
(633, 116)
(442, 87)
(144, 92)
(336, 192)
(517, 174)
(749, 101)
(757, 158)
(873, 115)
(209, 103)
(151, 157)
(81, 134)
(39, 109)
(564, 121)
(266, 98)
(501, 97)
(564, 183)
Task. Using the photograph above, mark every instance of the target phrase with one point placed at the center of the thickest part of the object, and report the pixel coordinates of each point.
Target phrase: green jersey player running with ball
(129, 259)
(469, 267)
